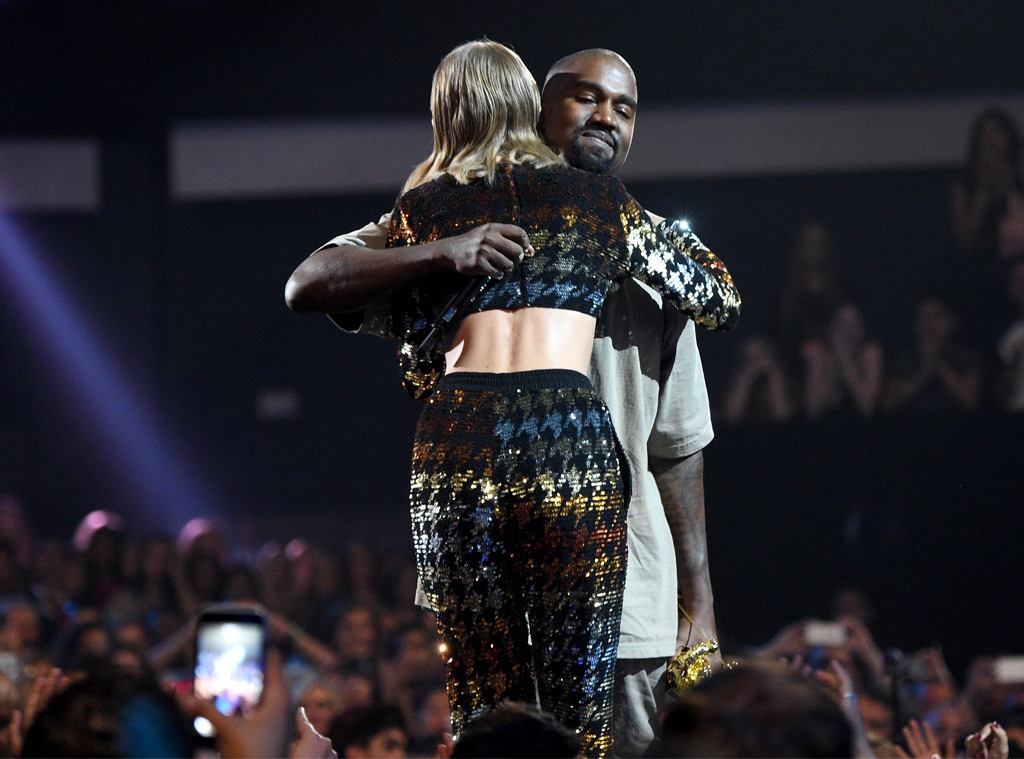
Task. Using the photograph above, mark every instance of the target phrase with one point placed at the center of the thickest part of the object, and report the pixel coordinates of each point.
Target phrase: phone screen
(825, 634)
(230, 647)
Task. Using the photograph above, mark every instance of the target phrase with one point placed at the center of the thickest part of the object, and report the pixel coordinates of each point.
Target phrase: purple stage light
(128, 430)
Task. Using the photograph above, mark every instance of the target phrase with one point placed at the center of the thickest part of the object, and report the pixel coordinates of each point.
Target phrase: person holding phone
(230, 652)
(240, 702)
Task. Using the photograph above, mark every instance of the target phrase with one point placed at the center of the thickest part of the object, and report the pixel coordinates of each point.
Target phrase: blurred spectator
(274, 570)
(516, 730)
(159, 585)
(843, 371)
(987, 213)
(15, 529)
(362, 574)
(204, 578)
(432, 722)
(57, 581)
(377, 732)
(760, 389)
(1010, 346)
(323, 701)
(756, 709)
(357, 641)
(241, 584)
(413, 665)
(110, 714)
(877, 716)
(951, 723)
(993, 693)
(21, 641)
(853, 603)
(811, 291)
(991, 180)
(357, 689)
(84, 646)
(202, 536)
(941, 372)
(100, 540)
(818, 642)
(10, 701)
(325, 598)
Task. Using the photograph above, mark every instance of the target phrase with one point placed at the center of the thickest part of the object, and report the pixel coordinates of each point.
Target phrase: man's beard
(586, 161)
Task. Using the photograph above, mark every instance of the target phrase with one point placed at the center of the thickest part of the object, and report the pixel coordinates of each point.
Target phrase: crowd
(106, 608)
(817, 356)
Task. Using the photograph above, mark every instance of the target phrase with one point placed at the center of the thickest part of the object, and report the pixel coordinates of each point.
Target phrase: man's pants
(639, 693)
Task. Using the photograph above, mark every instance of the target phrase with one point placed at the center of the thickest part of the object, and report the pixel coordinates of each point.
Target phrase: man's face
(587, 112)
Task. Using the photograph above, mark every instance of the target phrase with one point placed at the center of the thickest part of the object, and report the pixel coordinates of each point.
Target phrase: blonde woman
(519, 487)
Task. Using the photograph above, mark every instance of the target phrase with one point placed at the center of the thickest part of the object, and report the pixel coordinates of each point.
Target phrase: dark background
(186, 298)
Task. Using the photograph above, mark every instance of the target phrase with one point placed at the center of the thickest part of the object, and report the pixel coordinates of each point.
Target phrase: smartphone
(230, 653)
(825, 634)
(1009, 670)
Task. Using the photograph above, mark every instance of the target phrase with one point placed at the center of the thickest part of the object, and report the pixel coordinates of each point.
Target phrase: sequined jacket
(588, 234)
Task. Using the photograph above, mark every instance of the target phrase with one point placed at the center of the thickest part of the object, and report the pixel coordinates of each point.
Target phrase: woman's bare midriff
(522, 340)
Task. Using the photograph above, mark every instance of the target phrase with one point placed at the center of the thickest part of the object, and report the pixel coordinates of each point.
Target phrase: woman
(519, 489)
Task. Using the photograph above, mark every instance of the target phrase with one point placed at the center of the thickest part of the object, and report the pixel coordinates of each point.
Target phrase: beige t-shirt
(647, 367)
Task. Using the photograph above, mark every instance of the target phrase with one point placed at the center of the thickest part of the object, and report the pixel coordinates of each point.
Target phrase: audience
(843, 369)
(110, 713)
(819, 687)
(761, 389)
(377, 731)
(941, 372)
(756, 709)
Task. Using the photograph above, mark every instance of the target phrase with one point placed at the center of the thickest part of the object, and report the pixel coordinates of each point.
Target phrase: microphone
(455, 306)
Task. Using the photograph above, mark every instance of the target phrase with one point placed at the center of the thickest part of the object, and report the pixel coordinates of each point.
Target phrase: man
(645, 364)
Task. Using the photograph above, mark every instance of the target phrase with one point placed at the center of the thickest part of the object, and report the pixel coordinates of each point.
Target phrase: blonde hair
(485, 108)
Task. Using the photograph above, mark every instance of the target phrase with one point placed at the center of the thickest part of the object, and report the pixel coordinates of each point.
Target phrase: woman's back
(587, 233)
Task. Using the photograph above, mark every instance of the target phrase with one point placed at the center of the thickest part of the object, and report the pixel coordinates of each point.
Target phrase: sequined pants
(518, 500)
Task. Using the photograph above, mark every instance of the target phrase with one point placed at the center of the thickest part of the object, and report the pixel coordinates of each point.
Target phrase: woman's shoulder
(576, 181)
(426, 189)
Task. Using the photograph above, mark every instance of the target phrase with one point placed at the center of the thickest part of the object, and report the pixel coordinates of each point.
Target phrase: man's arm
(681, 484)
(348, 277)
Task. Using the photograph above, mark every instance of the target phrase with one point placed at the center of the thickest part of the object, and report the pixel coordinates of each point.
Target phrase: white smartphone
(230, 653)
(825, 634)
(1009, 670)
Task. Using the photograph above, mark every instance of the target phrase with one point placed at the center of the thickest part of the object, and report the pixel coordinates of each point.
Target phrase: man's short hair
(565, 63)
(358, 725)
(516, 730)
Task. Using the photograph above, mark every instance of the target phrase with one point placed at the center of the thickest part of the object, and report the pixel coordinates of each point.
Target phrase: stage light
(128, 431)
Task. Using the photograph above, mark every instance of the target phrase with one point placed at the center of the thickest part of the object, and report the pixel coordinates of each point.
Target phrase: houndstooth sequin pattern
(588, 234)
(519, 524)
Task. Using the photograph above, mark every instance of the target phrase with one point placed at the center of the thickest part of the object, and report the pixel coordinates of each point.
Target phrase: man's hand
(345, 278)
